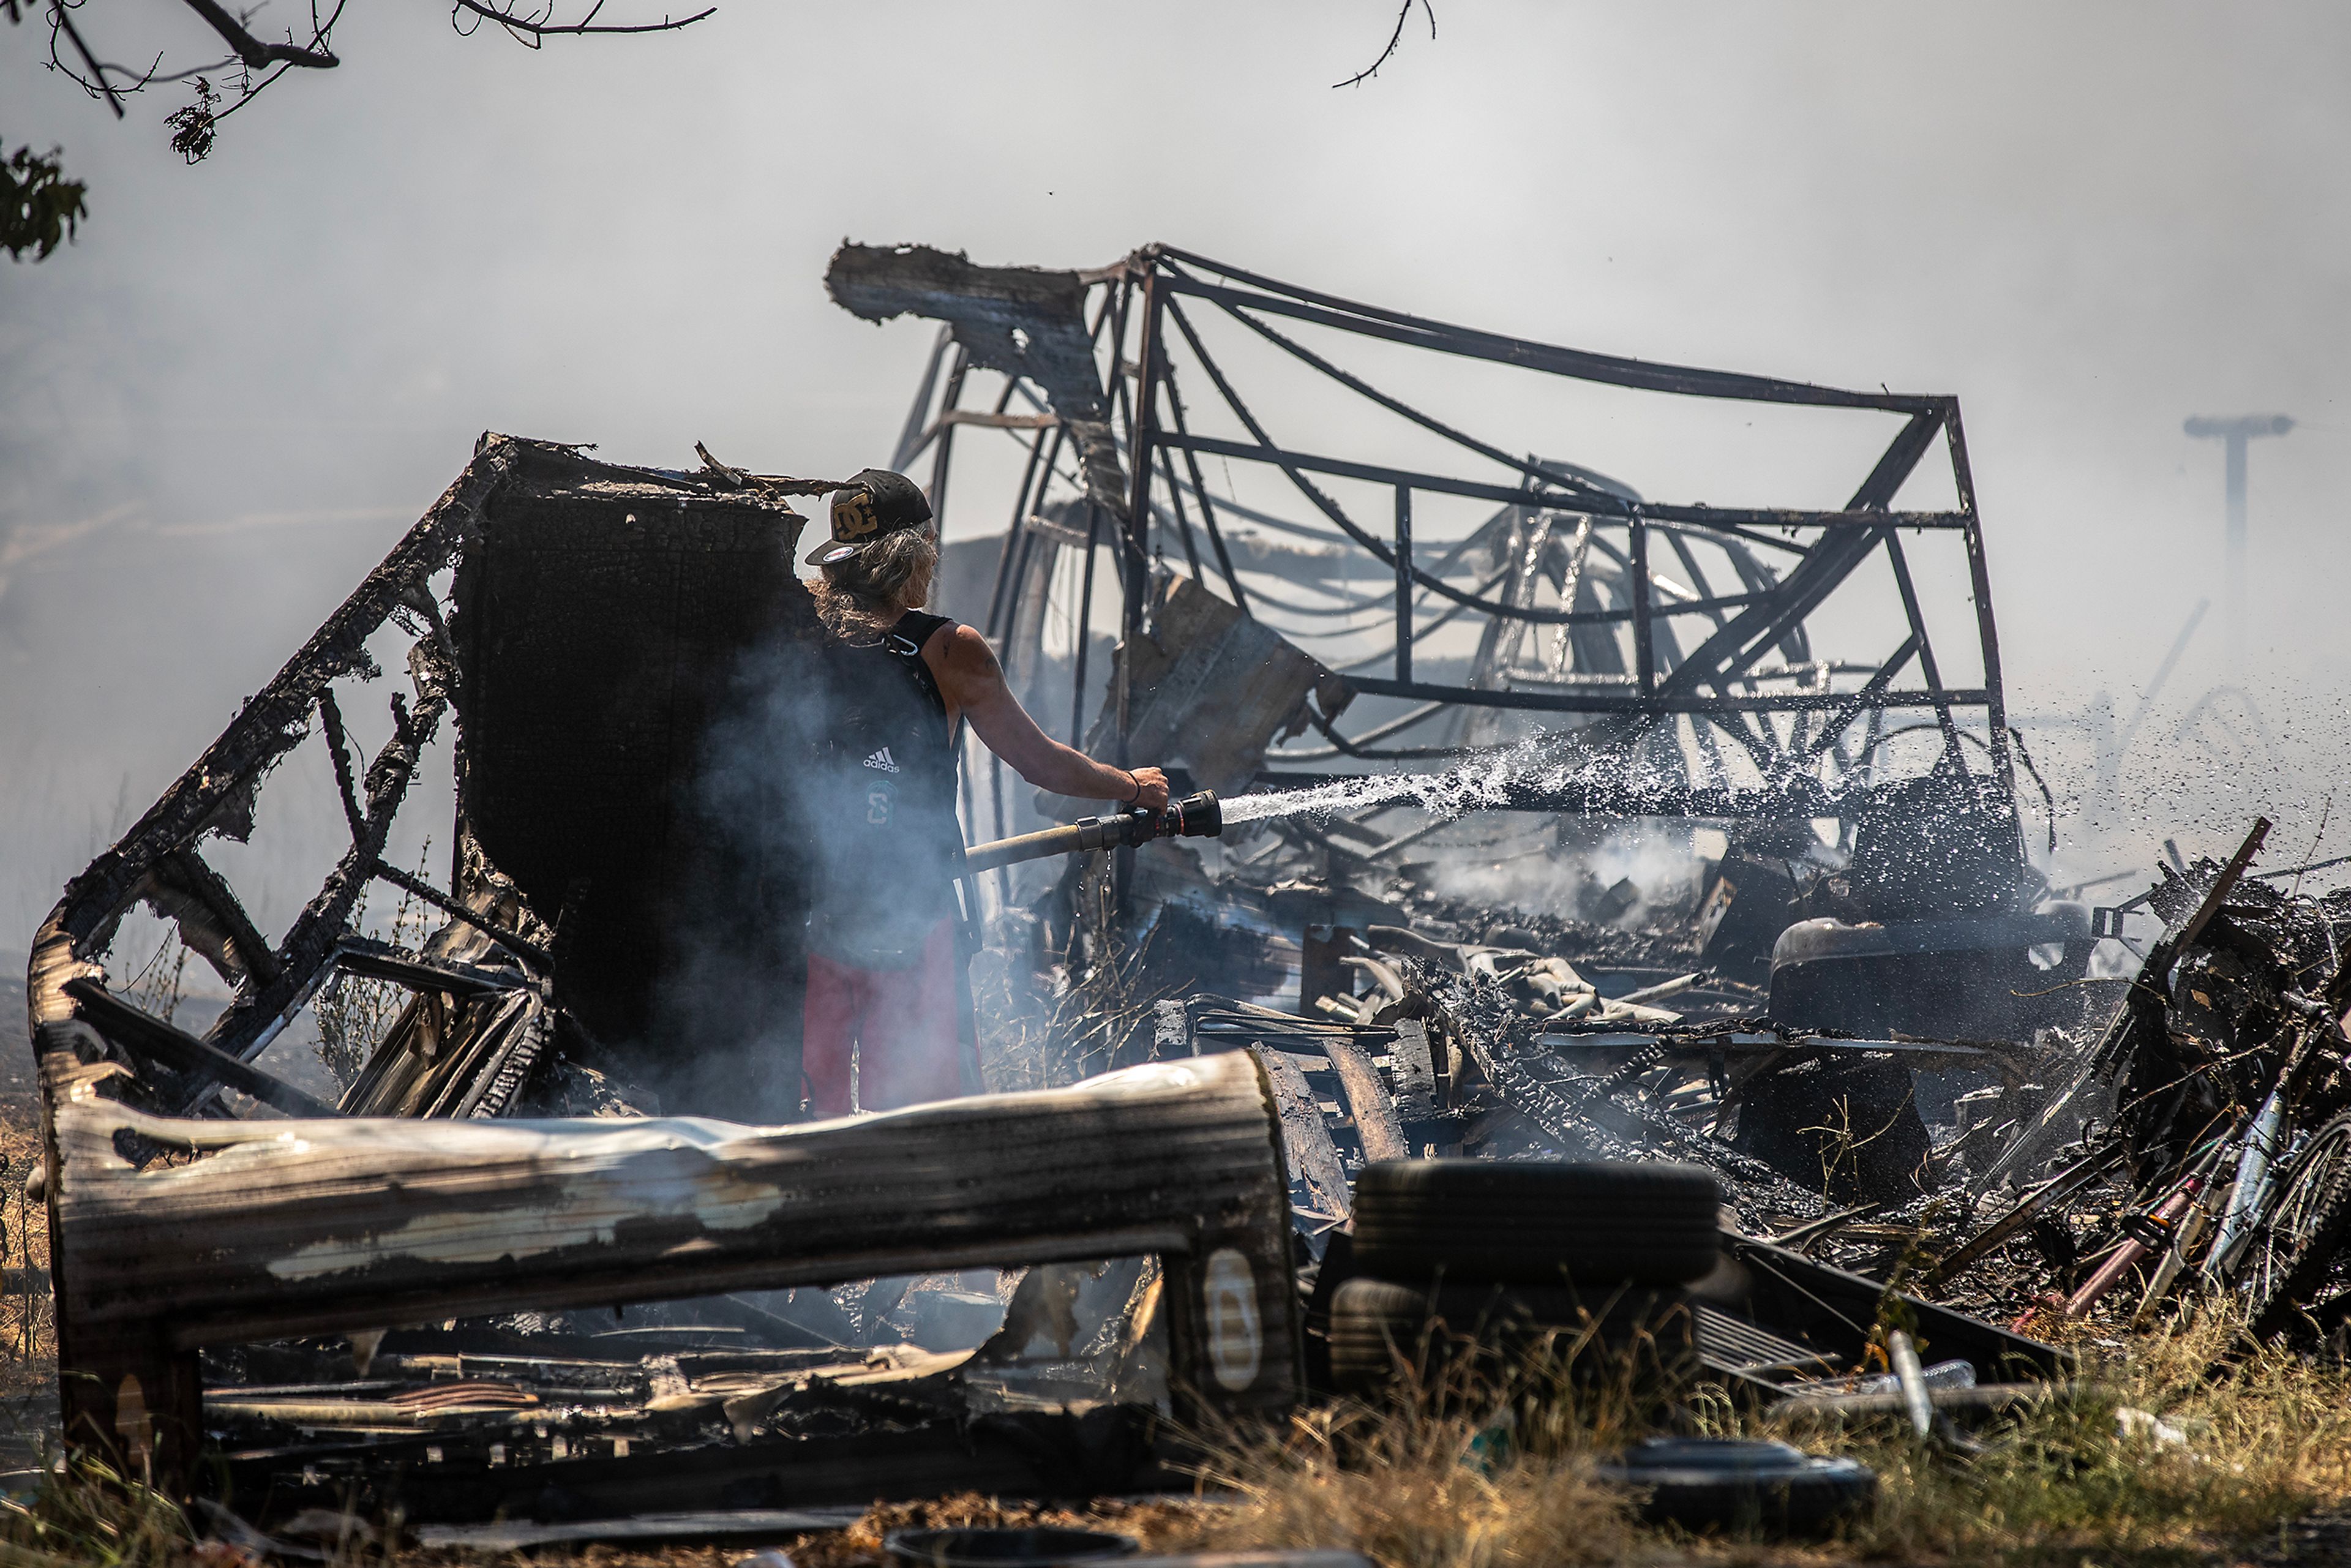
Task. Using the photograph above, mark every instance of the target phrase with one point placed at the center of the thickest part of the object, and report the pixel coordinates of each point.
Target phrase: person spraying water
(884, 975)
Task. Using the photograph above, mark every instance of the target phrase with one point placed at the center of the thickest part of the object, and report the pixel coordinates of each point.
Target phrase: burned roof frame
(1139, 460)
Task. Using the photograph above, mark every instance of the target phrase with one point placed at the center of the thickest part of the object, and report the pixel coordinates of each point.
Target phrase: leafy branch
(39, 207)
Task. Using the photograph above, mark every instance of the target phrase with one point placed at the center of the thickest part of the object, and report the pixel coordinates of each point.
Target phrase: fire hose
(1193, 817)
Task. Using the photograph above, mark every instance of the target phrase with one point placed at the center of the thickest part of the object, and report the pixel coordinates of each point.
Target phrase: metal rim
(2300, 1202)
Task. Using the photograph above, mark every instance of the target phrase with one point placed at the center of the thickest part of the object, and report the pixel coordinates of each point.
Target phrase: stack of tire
(1494, 1259)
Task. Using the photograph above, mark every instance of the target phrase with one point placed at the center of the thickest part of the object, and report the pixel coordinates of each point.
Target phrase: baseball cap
(871, 506)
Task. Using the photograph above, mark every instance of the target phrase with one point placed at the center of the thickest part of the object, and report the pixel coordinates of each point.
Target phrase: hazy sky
(222, 404)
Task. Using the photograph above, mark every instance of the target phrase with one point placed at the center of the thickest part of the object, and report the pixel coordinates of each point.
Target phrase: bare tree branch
(318, 35)
(61, 18)
(1394, 39)
(157, 74)
(252, 50)
(531, 29)
(255, 64)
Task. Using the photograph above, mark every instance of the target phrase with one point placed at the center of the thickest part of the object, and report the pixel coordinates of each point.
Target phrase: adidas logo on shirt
(883, 760)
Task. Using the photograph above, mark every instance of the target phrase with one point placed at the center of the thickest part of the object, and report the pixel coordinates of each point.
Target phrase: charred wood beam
(1415, 1071)
(379, 961)
(216, 792)
(143, 1034)
(1376, 1126)
(356, 1223)
(331, 719)
(212, 922)
(513, 941)
(1312, 1158)
(339, 753)
(1017, 320)
(251, 1021)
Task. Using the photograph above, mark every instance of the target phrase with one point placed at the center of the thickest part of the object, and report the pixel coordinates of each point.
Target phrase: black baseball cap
(871, 506)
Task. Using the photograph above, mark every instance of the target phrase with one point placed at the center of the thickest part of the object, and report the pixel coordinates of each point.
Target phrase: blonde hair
(857, 594)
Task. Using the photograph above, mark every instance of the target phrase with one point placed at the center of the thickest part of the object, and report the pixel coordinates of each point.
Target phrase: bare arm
(973, 684)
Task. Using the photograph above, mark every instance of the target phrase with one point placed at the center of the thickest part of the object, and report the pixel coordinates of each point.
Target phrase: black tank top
(935, 760)
(887, 848)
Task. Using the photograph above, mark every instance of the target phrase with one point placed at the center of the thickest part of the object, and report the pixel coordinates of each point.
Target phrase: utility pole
(2236, 432)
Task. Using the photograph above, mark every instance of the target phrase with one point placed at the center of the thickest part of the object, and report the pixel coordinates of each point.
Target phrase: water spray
(1543, 773)
(1199, 816)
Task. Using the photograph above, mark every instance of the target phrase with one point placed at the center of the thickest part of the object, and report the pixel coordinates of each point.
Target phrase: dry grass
(87, 1516)
(1466, 1473)
(1475, 1465)
(861, 1545)
(1414, 1495)
(27, 1332)
(2268, 1439)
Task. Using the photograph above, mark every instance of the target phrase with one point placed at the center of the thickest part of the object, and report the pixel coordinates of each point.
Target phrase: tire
(2314, 1207)
(1725, 1483)
(1379, 1327)
(1596, 1226)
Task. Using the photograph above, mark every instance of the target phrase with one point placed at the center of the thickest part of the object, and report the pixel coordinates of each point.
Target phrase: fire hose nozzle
(1196, 816)
(1199, 816)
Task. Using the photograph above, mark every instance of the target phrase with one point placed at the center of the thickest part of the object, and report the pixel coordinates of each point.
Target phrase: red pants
(897, 1025)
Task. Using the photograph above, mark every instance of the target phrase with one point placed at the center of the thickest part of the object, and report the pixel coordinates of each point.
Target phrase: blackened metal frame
(1143, 301)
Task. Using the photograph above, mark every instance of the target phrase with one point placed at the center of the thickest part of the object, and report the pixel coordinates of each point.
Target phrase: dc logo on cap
(852, 515)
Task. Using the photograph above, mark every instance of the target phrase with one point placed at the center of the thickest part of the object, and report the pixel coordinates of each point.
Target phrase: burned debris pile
(420, 1294)
(1652, 888)
(2196, 1141)
(2186, 1132)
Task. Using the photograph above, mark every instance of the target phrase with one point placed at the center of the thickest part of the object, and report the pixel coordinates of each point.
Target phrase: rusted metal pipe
(2160, 1225)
